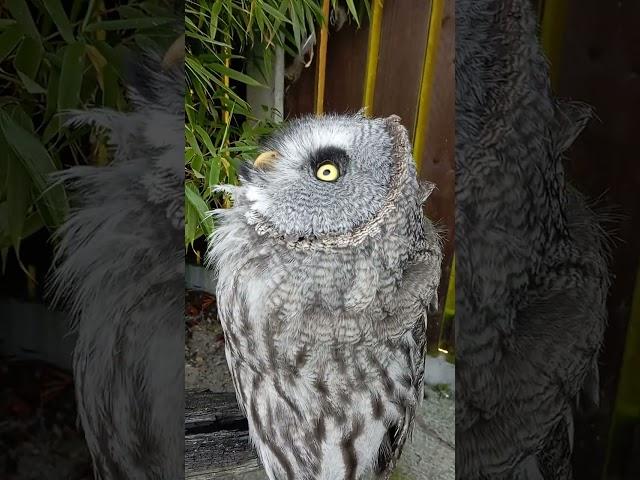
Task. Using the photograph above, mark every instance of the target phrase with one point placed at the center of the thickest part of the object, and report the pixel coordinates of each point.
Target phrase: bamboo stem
(322, 59)
(373, 51)
(428, 75)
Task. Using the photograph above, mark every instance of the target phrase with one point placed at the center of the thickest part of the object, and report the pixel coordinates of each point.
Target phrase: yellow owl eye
(327, 172)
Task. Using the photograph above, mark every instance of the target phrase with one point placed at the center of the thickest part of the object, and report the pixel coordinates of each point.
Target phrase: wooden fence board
(216, 437)
(346, 63)
(405, 25)
(438, 159)
(600, 64)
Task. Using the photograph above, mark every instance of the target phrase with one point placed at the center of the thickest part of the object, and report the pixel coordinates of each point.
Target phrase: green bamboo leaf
(196, 201)
(275, 13)
(98, 61)
(51, 130)
(111, 91)
(196, 165)
(36, 161)
(353, 10)
(59, 17)
(30, 85)
(20, 11)
(52, 93)
(29, 57)
(18, 199)
(206, 139)
(71, 76)
(215, 12)
(6, 22)
(241, 77)
(190, 224)
(129, 24)
(191, 140)
(214, 172)
(9, 39)
(19, 116)
(295, 22)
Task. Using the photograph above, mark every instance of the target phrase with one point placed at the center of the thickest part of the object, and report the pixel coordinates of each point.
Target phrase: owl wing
(414, 343)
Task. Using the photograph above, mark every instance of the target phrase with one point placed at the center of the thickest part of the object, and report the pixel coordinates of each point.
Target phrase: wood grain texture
(216, 436)
(405, 25)
(346, 65)
(438, 159)
(600, 64)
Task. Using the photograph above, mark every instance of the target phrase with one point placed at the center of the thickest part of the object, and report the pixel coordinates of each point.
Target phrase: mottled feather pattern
(119, 269)
(324, 324)
(532, 260)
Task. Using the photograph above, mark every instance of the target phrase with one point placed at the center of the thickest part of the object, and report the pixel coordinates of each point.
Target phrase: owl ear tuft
(399, 134)
(426, 188)
(394, 119)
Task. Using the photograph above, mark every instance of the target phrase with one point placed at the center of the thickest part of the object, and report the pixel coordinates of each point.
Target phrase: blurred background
(54, 56)
(594, 51)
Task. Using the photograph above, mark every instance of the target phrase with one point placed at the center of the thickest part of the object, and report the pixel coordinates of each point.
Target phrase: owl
(326, 269)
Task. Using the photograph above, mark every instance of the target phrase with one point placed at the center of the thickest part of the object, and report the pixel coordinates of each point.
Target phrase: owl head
(331, 175)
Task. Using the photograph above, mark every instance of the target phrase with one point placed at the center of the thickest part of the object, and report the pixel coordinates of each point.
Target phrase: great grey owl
(120, 268)
(326, 270)
(531, 280)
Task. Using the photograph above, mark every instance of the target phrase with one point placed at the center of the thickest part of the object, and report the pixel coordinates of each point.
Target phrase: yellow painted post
(321, 72)
(554, 14)
(429, 66)
(373, 50)
(426, 85)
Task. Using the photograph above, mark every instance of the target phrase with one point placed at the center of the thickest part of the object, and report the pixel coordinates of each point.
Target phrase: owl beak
(175, 53)
(265, 160)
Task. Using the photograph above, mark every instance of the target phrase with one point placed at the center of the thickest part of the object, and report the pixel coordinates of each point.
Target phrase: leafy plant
(58, 55)
(223, 38)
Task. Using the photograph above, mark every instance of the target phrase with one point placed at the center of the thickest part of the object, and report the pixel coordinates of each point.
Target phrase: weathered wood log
(216, 437)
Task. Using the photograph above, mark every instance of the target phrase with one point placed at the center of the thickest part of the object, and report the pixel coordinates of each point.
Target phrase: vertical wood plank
(600, 65)
(438, 159)
(404, 39)
(345, 69)
(346, 65)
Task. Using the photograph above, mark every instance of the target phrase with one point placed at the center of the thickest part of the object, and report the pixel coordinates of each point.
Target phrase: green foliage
(57, 55)
(223, 37)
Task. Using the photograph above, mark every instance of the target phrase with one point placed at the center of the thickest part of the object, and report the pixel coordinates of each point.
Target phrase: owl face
(324, 175)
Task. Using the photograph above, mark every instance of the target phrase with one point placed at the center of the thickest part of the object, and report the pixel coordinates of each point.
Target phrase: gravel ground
(430, 455)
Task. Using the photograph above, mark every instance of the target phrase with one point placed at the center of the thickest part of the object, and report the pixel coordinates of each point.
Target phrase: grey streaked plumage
(532, 259)
(323, 291)
(120, 268)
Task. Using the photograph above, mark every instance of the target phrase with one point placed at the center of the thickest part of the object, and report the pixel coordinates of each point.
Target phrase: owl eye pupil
(327, 172)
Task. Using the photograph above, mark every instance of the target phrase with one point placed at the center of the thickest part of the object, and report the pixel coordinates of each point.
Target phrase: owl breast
(327, 410)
